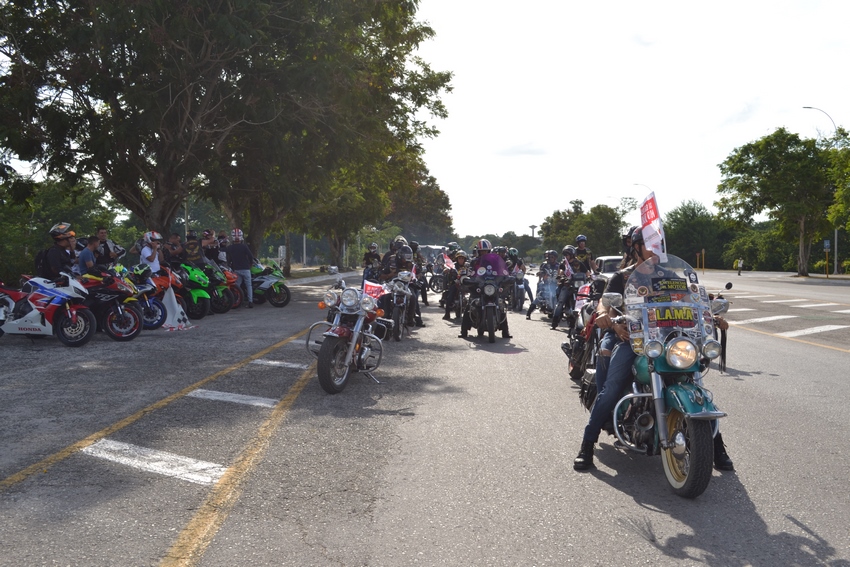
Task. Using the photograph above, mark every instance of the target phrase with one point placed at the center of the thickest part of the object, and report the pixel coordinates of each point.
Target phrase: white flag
(653, 232)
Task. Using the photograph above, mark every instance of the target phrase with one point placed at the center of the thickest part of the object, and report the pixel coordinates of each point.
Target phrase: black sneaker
(584, 460)
(722, 462)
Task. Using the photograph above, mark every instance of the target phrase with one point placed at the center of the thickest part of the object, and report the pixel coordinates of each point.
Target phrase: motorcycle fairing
(341, 331)
(198, 293)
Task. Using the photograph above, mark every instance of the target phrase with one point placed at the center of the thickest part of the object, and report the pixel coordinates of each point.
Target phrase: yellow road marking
(792, 339)
(43, 464)
(193, 541)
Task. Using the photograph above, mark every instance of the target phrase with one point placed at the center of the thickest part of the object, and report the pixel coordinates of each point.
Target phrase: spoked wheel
(332, 366)
(687, 464)
(122, 324)
(76, 333)
(398, 321)
(437, 284)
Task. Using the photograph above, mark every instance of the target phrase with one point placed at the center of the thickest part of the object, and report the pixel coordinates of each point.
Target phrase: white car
(607, 265)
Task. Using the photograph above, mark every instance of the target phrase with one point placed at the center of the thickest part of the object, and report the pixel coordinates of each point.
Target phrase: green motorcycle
(668, 411)
(268, 283)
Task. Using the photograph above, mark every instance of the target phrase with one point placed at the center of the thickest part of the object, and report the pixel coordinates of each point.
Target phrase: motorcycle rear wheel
(238, 296)
(79, 333)
(332, 367)
(281, 297)
(124, 326)
(689, 474)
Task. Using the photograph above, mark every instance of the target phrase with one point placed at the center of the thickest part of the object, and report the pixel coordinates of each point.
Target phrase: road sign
(826, 244)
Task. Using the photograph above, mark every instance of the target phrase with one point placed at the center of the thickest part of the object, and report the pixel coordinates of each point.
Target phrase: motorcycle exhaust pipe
(644, 422)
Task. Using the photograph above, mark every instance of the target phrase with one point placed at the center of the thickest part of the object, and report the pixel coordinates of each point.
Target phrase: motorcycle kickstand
(372, 376)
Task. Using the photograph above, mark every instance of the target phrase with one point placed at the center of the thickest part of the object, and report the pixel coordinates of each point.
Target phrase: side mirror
(729, 285)
(612, 300)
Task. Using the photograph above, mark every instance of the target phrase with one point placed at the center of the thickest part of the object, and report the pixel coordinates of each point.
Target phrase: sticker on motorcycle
(674, 317)
(637, 345)
(669, 285)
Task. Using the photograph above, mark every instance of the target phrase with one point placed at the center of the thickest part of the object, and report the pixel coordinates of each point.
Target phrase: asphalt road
(125, 453)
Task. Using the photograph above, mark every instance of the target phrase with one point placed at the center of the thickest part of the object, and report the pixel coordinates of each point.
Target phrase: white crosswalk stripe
(281, 363)
(812, 330)
(815, 305)
(160, 462)
(762, 319)
(842, 311)
(234, 398)
(784, 300)
(752, 296)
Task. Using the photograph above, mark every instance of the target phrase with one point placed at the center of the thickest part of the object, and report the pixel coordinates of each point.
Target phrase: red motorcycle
(47, 307)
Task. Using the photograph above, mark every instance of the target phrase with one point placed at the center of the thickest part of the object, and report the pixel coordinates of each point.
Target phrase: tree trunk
(804, 250)
(335, 245)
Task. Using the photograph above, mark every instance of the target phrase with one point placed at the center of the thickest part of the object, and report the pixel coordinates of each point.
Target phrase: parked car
(607, 265)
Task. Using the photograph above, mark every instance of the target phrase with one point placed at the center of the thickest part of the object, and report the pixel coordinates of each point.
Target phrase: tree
(784, 176)
(691, 228)
(602, 225)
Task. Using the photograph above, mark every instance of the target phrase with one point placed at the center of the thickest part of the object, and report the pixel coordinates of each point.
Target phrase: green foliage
(762, 248)
(691, 228)
(602, 225)
(784, 176)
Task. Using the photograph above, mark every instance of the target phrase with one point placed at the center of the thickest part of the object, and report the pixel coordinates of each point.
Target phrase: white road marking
(235, 398)
(752, 296)
(160, 462)
(815, 305)
(843, 311)
(762, 320)
(739, 309)
(812, 330)
(784, 300)
(281, 363)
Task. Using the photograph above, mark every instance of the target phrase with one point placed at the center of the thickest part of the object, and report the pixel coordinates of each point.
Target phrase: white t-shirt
(154, 264)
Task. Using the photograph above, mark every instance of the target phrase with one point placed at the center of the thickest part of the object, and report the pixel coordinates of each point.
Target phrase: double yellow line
(197, 535)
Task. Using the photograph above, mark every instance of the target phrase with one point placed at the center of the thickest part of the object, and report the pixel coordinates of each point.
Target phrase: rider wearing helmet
(402, 261)
(548, 271)
(151, 253)
(455, 277)
(371, 261)
(515, 263)
(58, 258)
(419, 260)
(565, 296)
(584, 255)
(240, 258)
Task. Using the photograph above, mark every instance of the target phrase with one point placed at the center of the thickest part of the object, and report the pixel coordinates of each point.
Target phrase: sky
(557, 100)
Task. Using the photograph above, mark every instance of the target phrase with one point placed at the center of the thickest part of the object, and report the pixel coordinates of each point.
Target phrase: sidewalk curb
(292, 282)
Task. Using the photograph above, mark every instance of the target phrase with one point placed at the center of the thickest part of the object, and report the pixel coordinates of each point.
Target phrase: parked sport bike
(487, 307)
(47, 307)
(351, 337)
(193, 288)
(668, 411)
(113, 301)
(268, 283)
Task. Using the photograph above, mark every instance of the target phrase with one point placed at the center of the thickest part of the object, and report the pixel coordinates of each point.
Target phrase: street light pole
(835, 255)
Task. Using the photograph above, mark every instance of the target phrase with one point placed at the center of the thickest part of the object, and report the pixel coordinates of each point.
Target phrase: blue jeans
(612, 378)
(245, 276)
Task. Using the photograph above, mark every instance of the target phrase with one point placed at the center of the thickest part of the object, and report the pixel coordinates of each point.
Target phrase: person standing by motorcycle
(58, 259)
(455, 277)
(548, 269)
(584, 255)
(371, 262)
(151, 253)
(210, 244)
(240, 258)
(515, 264)
(173, 250)
(614, 364)
(193, 248)
(87, 257)
(419, 260)
(564, 294)
(107, 251)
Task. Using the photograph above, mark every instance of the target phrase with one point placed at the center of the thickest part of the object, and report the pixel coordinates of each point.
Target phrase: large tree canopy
(787, 178)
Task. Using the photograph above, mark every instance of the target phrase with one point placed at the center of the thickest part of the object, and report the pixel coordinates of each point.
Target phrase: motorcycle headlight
(653, 349)
(350, 297)
(681, 353)
(399, 286)
(711, 349)
(489, 289)
(331, 298)
(367, 303)
(404, 276)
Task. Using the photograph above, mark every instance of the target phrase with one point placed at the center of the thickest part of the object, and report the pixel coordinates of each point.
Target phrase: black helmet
(192, 235)
(60, 230)
(569, 249)
(405, 253)
(627, 235)
(637, 235)
(414, 245)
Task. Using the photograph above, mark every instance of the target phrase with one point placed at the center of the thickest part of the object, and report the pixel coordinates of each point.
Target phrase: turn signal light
(379, 312)
(322, 305)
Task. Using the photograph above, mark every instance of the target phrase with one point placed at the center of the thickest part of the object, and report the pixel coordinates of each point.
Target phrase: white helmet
(151, 236)
(236, 234)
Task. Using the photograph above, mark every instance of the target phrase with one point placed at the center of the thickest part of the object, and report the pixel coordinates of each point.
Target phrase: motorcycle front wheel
(332, 366)
(221, 301)
(198, 308)
(122, 325)
(687, 465)
(437, 284)
(279, 297)
(76, 334)
(155, 314)
(491, 325)
(398, 321)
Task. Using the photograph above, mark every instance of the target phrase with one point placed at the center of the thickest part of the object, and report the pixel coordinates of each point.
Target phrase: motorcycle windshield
(491, 265)
(664, 299)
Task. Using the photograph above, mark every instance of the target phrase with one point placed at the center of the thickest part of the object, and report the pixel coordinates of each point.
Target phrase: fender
(692, 401)
(340, 332)
(197, 294)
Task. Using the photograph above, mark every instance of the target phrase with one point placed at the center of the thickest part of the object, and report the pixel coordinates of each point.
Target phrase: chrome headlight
(368, 303)
(350, 297)
(489, 289)
(399, 287)
(404, 276)
(681, 353)
(653, 349)
(331, 298)
(711, 349)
